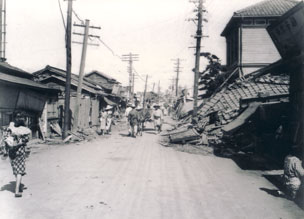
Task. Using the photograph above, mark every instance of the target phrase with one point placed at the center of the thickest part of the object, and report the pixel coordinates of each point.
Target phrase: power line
(76, 15)
(63, 21)
(109, 48)
(130, 58)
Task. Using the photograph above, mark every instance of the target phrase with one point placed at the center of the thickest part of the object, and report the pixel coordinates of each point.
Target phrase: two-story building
(249, 46)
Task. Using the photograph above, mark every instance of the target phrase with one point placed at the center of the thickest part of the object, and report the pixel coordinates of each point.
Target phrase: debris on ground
(230, 119)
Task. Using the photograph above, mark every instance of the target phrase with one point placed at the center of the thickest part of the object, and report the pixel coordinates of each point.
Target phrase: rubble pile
(225, 119)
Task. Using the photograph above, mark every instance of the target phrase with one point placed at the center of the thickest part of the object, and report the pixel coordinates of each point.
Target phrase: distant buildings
(97, 89)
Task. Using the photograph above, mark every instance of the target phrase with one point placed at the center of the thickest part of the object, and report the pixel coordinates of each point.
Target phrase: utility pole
(4, 32)
(197, 56)
(1, 25)
(82, 66)
(173, 80)
(1, 30)
(67, 115)
(144, 101)
(177, 69)
(130, 58)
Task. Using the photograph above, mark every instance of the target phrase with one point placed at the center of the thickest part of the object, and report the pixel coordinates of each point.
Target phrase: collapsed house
(250, 111)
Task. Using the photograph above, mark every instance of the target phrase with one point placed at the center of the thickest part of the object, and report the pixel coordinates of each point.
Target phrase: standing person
(109, 119)
(133, 120)
(157, 117)
(103, 121)
(16, 140)
(140, 120)
(293, 172)
(146, 115)
(128, 110)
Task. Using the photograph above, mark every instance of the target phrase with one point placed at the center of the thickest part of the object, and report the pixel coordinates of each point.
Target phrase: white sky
(154, 29)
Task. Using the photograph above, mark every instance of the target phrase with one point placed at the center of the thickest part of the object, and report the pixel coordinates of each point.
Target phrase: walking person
(157, 117)
(16, 138)
(133, 121)
(128, 110)
(102, 121)
(140, 120)
(109, 119)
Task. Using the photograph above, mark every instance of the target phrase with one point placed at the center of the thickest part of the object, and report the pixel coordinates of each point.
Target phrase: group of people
(16, 136)
(105, 120)
(137, 116)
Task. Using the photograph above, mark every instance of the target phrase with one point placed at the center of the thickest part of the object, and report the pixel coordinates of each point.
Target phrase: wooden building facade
(20, 93)
(248, 44)
(89, 106)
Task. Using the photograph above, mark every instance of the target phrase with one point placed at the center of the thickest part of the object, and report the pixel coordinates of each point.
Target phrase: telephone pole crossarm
(130, 58)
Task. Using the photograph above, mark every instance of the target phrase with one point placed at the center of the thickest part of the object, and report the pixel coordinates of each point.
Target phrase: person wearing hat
(140, 120)
(103, 121)
(133, 121)
(128, 110)
(109, 119)
(293, 172)
(157, 117)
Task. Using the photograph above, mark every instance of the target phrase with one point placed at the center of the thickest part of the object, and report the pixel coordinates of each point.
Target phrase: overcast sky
(157, 30)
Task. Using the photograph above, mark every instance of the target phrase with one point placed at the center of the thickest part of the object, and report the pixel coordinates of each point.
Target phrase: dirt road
(117, 177)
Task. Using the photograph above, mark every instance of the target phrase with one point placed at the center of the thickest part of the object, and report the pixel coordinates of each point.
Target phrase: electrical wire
(76, 15)
(63, 21)
(109, 48)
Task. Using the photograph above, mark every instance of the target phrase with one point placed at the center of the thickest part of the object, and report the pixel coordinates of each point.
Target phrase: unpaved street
(115, 177)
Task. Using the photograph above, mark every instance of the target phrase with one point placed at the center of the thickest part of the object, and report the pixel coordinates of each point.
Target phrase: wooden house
(116, 93)
(248, 44)
(20, 93)
(92, 96)
(103, 80)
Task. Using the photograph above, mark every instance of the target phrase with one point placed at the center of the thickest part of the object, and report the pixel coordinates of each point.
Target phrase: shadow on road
(148, 129)
(273, 192)
(150, 132)
(277, 181)
(249, 161)
(9, 187)
(124, 135)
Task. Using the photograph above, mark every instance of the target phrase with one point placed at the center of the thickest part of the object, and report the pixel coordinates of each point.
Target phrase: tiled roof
(12, 70)
(88, 85)
(267, 8)
(101, 74)
(23, 81)
(73, 82)
(228, 101)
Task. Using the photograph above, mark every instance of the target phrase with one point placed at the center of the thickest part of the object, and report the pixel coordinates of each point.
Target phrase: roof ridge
(268, 7)
(102, 73)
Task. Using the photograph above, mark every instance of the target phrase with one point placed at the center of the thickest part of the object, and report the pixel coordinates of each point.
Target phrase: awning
(109, 102)
(5, 78)
(22, 98)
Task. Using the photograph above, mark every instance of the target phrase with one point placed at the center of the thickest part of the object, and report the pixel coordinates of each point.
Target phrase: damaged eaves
(231, 107)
